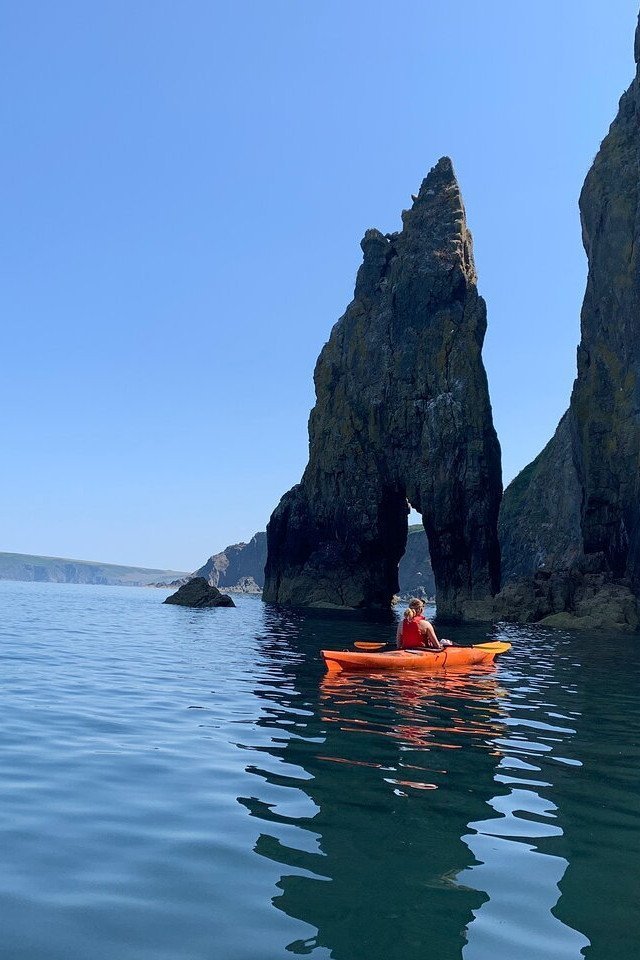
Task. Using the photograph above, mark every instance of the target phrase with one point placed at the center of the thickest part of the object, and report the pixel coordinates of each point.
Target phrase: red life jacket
(411, 636)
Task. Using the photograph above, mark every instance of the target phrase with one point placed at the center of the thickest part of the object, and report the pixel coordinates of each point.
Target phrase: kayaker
(427, 635)
(415, 632)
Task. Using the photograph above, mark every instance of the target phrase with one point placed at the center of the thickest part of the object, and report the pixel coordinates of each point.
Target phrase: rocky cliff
(575, 512)
(237, 565)
(402, 414)
(415, 575)
(539, 523)
(605, 402)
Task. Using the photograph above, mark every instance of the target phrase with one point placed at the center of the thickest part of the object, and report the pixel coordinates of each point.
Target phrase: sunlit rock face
(237, 564)
(402, 414)
(578, 504)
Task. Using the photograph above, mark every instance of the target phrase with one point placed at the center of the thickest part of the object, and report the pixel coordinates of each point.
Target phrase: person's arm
(429, 635)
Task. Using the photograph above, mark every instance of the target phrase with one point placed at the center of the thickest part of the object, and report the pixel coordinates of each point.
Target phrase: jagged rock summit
(570, 522)
(402, 414)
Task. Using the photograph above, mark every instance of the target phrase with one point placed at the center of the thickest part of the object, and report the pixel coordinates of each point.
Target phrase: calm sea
(188, 785)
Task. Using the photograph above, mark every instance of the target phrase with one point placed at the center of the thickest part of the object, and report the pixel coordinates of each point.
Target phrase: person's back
(415, 632)
(411, 636)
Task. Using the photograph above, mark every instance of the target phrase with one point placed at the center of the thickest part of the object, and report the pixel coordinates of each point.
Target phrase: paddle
(497, 645)
(369, 645)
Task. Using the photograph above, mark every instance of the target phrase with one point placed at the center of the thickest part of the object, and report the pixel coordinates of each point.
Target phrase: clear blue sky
(184, 188)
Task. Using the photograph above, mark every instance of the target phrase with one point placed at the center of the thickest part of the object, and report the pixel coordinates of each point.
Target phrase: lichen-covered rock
(246, 585)
(402, 413)
(574, 599)
(579, 502)
(199, 593)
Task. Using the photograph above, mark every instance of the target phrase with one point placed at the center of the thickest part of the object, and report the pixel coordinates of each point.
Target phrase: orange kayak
(423, 660)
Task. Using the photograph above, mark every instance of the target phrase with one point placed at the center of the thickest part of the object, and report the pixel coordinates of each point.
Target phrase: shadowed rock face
(539, 523)
(576, 508)
(402, 413)
(199, 593)
(606, 395)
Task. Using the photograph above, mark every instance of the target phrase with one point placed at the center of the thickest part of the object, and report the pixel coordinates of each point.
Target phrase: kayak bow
(422, 660)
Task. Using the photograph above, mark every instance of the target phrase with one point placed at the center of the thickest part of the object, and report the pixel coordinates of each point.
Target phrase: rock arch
(402, 413)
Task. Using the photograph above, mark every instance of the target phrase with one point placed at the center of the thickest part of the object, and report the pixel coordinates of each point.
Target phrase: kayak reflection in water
(415, 632)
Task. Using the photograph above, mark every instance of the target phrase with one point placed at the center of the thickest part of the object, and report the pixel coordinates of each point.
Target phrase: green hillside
(22, 566)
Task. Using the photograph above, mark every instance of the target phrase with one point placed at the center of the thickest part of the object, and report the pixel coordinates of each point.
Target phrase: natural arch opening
(415, 573)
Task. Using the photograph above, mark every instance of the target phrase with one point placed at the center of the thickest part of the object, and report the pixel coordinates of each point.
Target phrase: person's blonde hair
(409, 614)
(416, 603)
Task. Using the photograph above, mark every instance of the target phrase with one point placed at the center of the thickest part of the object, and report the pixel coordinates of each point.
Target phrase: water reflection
(420, 711)
(421, 820)
(368, 789)
(455, 815)
(515, 865)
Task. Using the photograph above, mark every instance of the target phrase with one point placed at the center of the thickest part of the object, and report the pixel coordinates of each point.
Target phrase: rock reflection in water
(372, 788)
(516, 845)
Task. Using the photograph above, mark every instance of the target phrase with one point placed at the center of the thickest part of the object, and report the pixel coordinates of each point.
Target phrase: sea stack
(402, 415)
(570, 522)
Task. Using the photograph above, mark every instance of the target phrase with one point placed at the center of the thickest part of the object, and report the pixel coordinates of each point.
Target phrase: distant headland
(32, 568)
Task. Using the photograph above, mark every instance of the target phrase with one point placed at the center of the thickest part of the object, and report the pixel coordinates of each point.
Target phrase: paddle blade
(497, 646)
(367, 645)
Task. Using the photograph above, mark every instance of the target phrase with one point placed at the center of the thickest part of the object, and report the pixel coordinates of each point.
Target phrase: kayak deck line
(421, 660)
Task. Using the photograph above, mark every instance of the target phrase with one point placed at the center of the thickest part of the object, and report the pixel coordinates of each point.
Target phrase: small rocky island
(199, 593)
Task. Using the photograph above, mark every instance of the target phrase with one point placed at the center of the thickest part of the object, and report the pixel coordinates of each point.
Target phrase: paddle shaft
(491, 645)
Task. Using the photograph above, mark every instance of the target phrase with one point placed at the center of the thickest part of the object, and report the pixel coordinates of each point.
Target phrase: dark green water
(188, 784)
